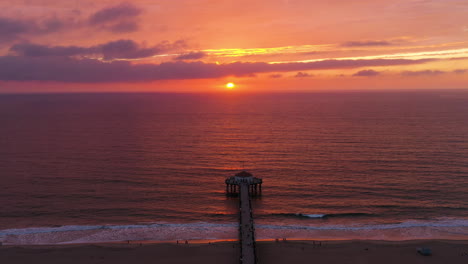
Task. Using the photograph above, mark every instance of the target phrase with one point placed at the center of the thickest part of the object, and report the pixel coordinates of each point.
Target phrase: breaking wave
(411, 229)
(343, 215)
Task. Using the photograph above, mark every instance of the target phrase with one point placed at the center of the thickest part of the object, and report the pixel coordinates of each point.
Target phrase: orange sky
(199, 45)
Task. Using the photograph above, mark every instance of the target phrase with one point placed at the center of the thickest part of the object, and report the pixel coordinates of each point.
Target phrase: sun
(230, 85)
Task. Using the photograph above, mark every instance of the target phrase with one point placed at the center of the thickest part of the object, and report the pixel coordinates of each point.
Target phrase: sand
(342, 252)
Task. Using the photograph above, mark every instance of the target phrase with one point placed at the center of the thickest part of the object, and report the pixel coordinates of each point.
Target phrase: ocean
(105, 167)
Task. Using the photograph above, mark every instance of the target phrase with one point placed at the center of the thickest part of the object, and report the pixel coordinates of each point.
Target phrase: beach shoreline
(222, 251)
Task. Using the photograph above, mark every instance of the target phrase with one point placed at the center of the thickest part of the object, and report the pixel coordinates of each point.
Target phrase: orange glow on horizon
(262, 46)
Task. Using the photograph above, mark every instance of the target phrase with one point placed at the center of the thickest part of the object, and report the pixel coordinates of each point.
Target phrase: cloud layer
(13, 29)
(431, 72)
(366, 73)
(121, 18)
(422, 73)
(118, 18)
(119, 49)
(302, 75)
(68, 69)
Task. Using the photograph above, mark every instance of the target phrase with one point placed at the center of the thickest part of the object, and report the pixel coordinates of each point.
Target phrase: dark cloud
(12, 28)
(460, 71)
(67, 69)
(167, 45)
(422, 73)
(302, 75)
(432, 72)
(366, 43)
(114, 13)
(191, 56)
(275, 76)
(366, 73)
(120, 18)
(53, 25)
(35, 50)
(119, 49)
(126, 49)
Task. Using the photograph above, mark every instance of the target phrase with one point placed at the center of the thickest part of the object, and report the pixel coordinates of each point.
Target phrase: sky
(259, 45)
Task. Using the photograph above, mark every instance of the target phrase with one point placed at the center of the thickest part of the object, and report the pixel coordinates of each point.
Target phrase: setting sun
(230, 85)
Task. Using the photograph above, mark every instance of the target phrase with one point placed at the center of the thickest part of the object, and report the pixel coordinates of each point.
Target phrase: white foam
(412, 229)
(406, 224)
(312, 215)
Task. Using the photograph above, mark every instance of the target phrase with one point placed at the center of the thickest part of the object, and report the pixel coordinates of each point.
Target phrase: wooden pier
(245, 186)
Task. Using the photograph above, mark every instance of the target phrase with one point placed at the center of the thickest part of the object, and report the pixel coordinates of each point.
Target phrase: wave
(403, 225)
(433, 208)
(72, 228)
(411, 229)
(74, 234)
(343, 215)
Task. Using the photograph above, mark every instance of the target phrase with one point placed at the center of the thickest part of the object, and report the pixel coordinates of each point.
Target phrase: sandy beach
(382, 252)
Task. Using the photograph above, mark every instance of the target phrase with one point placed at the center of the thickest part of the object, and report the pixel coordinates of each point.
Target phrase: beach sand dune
(341, 252)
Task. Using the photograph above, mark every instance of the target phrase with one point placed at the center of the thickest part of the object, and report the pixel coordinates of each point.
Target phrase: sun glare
(230, 85)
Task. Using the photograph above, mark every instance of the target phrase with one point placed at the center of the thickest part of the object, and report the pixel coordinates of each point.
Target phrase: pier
(245, 186)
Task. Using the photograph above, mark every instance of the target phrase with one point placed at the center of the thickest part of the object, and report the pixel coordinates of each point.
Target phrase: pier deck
(245, 185)
(246, 226)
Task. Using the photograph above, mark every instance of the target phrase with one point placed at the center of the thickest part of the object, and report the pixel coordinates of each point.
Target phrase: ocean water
(77, 168)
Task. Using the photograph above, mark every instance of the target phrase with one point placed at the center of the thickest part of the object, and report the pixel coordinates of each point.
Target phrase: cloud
(432, 72)
(114, 13)
(119, 49)
(275, 76)
(366, 73)
(53, 25)
(118, 19)
(366, 43)
(13, 29)
(35, 50)
(422, 73)
(167, 45)
(68, 69)
(302, 75)
(191, 56)
(126, 49)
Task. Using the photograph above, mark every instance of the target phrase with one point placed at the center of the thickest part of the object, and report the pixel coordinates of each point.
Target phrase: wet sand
(339, 252)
